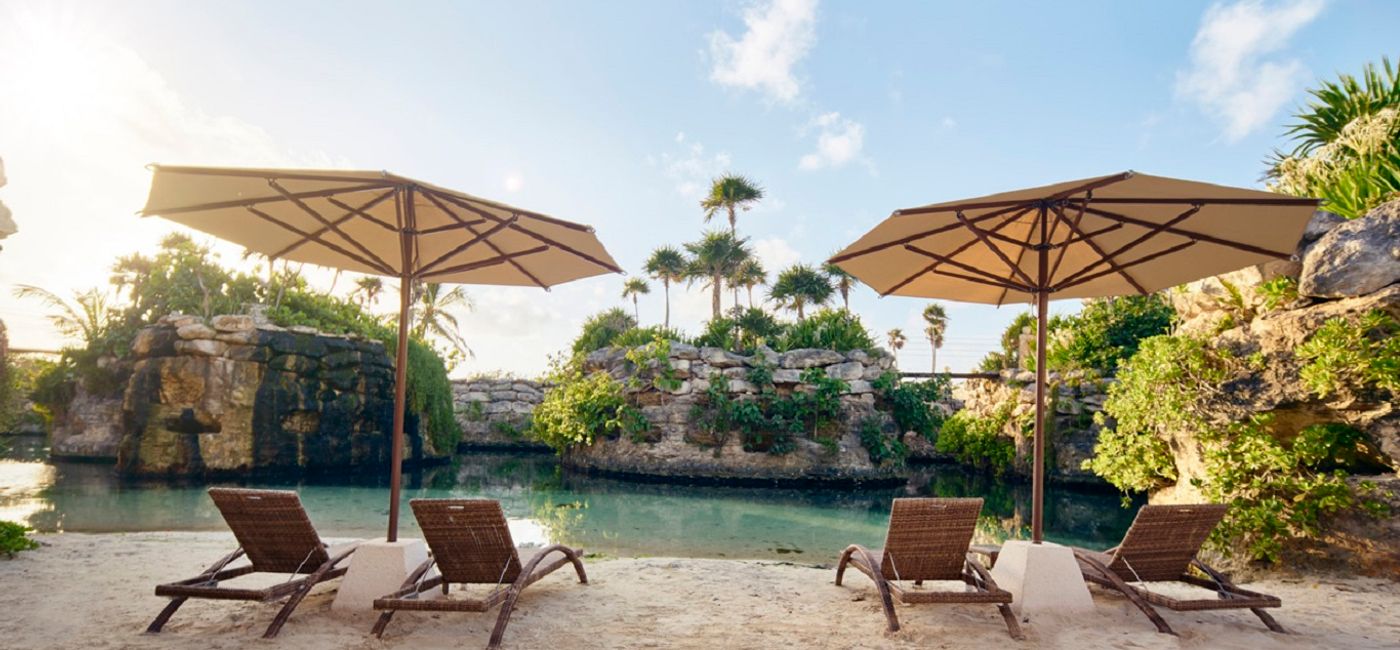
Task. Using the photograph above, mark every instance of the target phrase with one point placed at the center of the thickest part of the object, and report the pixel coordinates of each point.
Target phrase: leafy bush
(768, 421)
(829, 329)
(1345, 356)
(580, 407)
(883, 448)
(742, 332)
(601, 329)
(1107, 331)
(639, 336)
(1277, 292)
(14, 538)
(911, 403)
(978, 441)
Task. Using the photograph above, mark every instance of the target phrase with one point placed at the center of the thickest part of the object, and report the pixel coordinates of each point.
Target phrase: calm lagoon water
(546, 504)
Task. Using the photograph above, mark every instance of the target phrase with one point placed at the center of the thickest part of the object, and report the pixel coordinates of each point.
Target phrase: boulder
(1355, 258)
(194, 331)
(848, 371)
(232, 323)
(201, 347)
(722, 358)
(808, 358)
(684, 351)
(787, 376)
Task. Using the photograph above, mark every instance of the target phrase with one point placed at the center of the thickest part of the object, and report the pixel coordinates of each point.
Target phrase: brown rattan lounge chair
(1161, 546)
(928, 540)
(274, 532)
(471, 544)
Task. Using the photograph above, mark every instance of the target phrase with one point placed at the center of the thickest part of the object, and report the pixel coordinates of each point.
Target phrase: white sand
(95, 591)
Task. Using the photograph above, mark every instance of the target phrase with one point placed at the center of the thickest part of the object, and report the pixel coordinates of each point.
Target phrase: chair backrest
(272, 528)
(928, 538)
(1163, 540)
(469, 539)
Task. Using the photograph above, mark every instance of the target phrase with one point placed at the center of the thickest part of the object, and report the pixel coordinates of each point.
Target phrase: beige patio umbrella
(382, 224)
(1114, 235)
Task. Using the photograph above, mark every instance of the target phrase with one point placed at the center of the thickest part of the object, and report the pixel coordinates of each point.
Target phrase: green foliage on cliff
(581, 406)
(1278, 486)
(883, 448)
(912, 403)
(978, 441)
(769, 421)
(828, 329)
(600, 329)
(14, 538)
(1345, 356)
(1107, 331)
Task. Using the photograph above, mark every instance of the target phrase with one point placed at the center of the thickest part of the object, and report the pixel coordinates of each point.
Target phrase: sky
(618, 114)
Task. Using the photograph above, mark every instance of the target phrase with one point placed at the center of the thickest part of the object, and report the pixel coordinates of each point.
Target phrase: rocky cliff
(233, 396)
(495, 413)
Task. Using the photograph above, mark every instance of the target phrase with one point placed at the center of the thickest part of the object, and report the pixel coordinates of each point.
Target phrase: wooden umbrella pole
(1042, 300)
(400, 399)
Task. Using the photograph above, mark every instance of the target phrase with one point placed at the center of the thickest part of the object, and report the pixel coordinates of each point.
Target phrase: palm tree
(367, 290)
(937, 320)
(800, 285)
(749, 275)
(844, 282)
(632, 288)
(667, 265)
(430, 315)
(714, 258)
(87, 318)
(896, 338)
(729, 193)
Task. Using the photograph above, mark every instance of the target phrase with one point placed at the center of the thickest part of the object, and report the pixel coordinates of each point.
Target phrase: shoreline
(96, 590)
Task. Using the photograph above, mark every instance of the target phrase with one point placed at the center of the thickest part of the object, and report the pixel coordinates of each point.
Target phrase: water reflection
(546, 504)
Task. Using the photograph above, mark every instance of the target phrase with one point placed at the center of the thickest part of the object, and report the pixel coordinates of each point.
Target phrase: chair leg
(382, 623)
(1012, 626)
(503, 619)
(286, 611)
(165, 615)
(1268, 620)
(1122, 587)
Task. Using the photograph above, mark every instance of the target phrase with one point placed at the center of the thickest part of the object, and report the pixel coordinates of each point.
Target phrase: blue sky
(617, 114)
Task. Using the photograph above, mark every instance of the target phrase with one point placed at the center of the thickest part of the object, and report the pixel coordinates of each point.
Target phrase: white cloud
(775, 253)
(514, 182)
(949, 122)
(692, 168)
(778, 35)
(1232, 76)
(839, 141)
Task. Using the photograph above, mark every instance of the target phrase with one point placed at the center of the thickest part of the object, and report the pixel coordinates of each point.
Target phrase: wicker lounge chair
(471, 544)
(928, 540)
(1161, 545)
(275, 534)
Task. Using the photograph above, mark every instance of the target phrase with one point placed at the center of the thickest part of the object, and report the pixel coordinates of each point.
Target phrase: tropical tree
(367, 290)
(88, 318)
(800, 285)
(749, 275)
(843, 281)
(896, 339)
(632, 288)
(730, 193)
(937, 319)
(1346, 143)
(431, 315)
(667, 265)
(713, 259)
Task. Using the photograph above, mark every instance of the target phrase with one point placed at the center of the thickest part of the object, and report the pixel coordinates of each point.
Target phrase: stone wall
(495, 413)
(233, 396)
(675, 448)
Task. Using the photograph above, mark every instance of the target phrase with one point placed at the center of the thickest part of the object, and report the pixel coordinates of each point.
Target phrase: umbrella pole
(400, 397)
(1042, 299)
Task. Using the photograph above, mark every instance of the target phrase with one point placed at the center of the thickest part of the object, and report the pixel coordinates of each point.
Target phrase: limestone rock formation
(495, 413)
(1354, 258)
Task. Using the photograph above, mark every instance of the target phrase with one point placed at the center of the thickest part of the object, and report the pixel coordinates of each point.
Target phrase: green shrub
(768, 421)
(580, 407)
(1107, 331)
(911, 403)
(979, 441)
(600, 329)
(742, 332)
(1277, 292)
(1345, 356)
(639, 336)
(883, 448)
(828, 329)
(14, 538)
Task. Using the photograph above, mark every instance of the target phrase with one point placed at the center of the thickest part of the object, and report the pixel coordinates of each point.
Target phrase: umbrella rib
(1140, 260)
(1091, 185)
(1203, 201)
(1209, 239)
(1026, 246)
(239, 203)
(966, 267)
(1000, 255)
(1112, 265)
(426, 269)
(350, 214)
(1064, 245)
(298, 231)
(367, 216)
(432, 196)
(490, 261)
(1151, 232)
(929, 233)
(972, 278)
(451, 226)
(968, 244)
(327, 223)
(532, 234)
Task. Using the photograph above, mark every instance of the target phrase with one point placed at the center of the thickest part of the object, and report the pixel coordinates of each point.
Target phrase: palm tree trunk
(751, 296)
(636, 311)
(667, 285)
(732, 221)
(800, 315)
(715, 292)
(935, 356)
(846, 299)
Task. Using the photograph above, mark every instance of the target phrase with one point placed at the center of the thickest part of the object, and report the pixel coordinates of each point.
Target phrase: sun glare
(50, 70)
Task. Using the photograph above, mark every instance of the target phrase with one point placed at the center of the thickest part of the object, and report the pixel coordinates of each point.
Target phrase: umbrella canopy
(1122, 234)
(381, 224)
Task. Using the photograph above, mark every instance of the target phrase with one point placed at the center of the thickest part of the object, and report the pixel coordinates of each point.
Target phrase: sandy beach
(95, 591)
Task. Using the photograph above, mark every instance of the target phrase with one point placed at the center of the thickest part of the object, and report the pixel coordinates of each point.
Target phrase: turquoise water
(546, 504)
